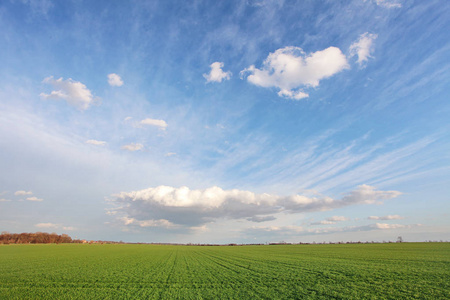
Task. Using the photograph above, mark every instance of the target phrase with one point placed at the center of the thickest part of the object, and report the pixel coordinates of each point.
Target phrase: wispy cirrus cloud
(388, 3)
(39, 7)
(363, 48)
(315, 165)
(290, 69)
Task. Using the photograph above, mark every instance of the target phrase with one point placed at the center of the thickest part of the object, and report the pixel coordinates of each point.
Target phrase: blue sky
(226, 121)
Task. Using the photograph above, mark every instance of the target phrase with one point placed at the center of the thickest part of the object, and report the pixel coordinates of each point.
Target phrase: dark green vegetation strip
(366, 271)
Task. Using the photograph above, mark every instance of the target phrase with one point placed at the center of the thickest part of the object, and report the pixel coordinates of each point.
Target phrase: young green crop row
(369, 271)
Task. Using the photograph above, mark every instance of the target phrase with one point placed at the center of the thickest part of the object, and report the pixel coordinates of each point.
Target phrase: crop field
(346, 271)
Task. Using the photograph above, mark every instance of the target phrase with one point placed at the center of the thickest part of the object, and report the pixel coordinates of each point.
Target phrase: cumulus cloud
(23, 193)
(291, 94)
(388, 217)
(331, 220)
(36, 199)
(154, 122)
(96, 143)
(74, 92)
(290, 69)
(217, 74)
(114, 80)
(133, 147)
(4, 200)
(363, 47)
(186, 207)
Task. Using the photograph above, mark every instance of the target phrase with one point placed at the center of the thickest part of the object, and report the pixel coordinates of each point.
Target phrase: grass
(362, 271)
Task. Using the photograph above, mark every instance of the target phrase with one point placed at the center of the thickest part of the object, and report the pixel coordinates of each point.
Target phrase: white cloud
(363, 47)
(148, 223)
(389, 3)
(323, 222)
(96, 143)
(68, 228)
(23, 193)
(127, 119)
(35, 199)
(368, 195)
(291, 94)
(388, 217)
(217, 74)
(170, 154)
(74, 92)
(46, 225)
(286, 231)
(114, 80)
(331, 220)
(187, 207)
(154, 122)
(133, 147)
(4, 200)
(54, 226)
(290, 68)
(390, 226)
(364, 194)
(338, 219)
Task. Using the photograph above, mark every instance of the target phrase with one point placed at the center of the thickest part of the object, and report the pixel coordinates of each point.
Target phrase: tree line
(35, 238)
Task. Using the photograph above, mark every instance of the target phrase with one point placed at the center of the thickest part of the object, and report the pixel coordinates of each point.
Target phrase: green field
(359, 271)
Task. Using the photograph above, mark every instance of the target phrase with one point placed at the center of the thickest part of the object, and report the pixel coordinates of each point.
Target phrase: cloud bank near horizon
(168, 207)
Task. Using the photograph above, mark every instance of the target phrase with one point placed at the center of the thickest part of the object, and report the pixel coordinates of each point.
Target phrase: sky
(226, 121)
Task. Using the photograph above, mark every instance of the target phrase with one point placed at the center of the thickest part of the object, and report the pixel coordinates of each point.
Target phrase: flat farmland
(126, 271)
